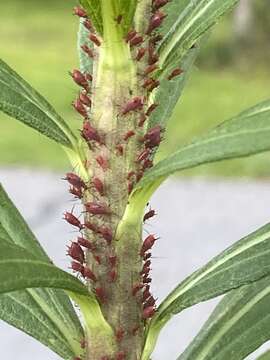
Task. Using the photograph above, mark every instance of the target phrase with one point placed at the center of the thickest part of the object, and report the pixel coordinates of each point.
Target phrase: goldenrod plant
(135, 57)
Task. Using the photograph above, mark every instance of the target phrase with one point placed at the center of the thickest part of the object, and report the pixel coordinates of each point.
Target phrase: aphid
(154, 85)
(76, 252)
(131, 174)
(75, 181)
(119, 334)
(159, 3)
(147, 164)
(146, 280)
(79, 107)
(174, 73)
(88, 274)
(75, 266)
(147, 256)
(98, 259)
(135, 330)
(146, 294)
(120, 149)
(145, 271)
(119, 19)
(80, 79)
(73, 220)
(87, 23)
(142, 120)
(146, 264)
(153, 137)
(77, 358)
(77, 192)
(112, 260)
(148, 82)
(88, 51)
(139, 176)
(155, 39)
(128, 135)
(112, 276)
(143, 155)
(151, 109)
(134, 104)
(100, 293)
(85, 99)
(98, 185)
(130, 35)
(152, 56)
(89, 133)
(136, 40)
(130, 186)
(149, 215)
(103, 162)
(79, 11)
(149, 69)
(95, 208)
(89, 77)
(121, 355)
(106, 233)
(83, 343)
(150, 302)
(91, 226)
(94, 39)
(85, 243)
(155, 21)
(136, 288)
(140, 54)
(148, 244)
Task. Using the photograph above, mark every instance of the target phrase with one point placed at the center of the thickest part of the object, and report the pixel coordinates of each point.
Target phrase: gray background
(196, 220)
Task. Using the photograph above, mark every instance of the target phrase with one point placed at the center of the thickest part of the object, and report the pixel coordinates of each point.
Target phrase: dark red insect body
(139, 176)
(146, 294)
(130, 186)
(136, 40)
(75, 266)
(112, 276)
(146, 264)
(155, 39)
(146, 279)
(88, 51)
(91, 226)
(148, 82)
(75, 181)
(94, 39)
(79, 11)
(174, 73)
(87, 23)
(148, 244)
(151, 109)
(119, 334)
(150, 302)
(140, 54)
(155, 21)
(149, 312)
(136, 288)
(98, 185)
(73, 220)
(157, 4)
(134, 104)
(100, 294)
(120, 149)
(79, 107)
(145, 271)
(77, 358)
(153, 137)
(89, 133)
(85, 243)
(152, 56)
(89, 77)
(77, 192)
(97, 208)
(121, 356)
(131, 174)
(130, 35)
(76, 252)
(147, 256)
(154, 85)
(149, 215)
(98, 259)
(128, 135)
(150, 69)
(85, 99)
(147, 164)
(112, 260)
(88, 274)
(106, 233)
(80, 79)
(143, 155)
(142, 120)
(102, 162)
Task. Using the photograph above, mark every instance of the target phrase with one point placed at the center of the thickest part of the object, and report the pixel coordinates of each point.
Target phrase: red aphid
(146, 280)
(77, 192)
(98, 185)
(89, 77)
(150, 302)
(85, 99)
(154, 85)
(100, 293)
(139, 176)
(75, 181)
(148, 244)
(79, 107)
(153, 137)
(145, 271)
(155, 21)
(89, 133)
(148, 82)
(77, 358)
(88, 274)
(174, 73)
(140, 54)
(130, 186)
(130, 35)
(151, 109)
(75, 266)
(79, 11)
(152, 56)
(80, 79)
(103, 162)
(85, 243)
(73, 220)
(149, 69)
(112, 260)
(149, 215)
(91, 226)
(134, 104)
(147, 264)
(120, 356)
(135, 330)
(136, 40)
(88, 51)
(157, 4)
(87, 23)
(112, 276)
(94, 39)
(136, 288)
(120, 149)
(131, 174)
(143, 155)
(147, 164)
(128, 135)
(119, 334)
(155, 39)
(106, 233)
(142, 120)
(98, 259)
(76, 252)
(95, 208)
(146, 294)
(147, 256)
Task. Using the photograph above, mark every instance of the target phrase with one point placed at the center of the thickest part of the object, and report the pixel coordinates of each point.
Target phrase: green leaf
(127, 10)
(239, 325)
(93, 9)
(49, 310)
(265, 356)
(20, 101)
(86, 62)
(245, 261)
(244, 135)
(186, 22)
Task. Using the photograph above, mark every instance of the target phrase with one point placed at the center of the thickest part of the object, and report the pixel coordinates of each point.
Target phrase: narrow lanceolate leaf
(45, 314)
(20, 101)
(245, 261)
(245, 134)
(126, 10)
(239, 325)
(186, 22)
(93, 9)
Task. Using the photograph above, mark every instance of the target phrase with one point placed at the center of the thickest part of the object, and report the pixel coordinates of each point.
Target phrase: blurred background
(204, 216)
(38, 39)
